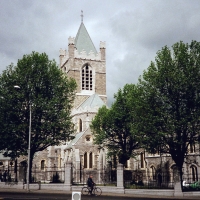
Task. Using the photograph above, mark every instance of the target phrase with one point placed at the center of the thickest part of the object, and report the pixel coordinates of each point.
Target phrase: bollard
(39, 185)
(76, 195)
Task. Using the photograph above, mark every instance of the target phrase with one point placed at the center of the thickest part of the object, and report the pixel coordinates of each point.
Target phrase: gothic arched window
(127, 164)
(194, 173)
(85, 160)
(153, 172)
(80, 127)
(142, 159)
(90, 160)
(87, 77)
(42, 164)
(192, 148)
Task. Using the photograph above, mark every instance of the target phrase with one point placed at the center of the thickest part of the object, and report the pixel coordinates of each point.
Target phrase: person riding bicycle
(90, 183)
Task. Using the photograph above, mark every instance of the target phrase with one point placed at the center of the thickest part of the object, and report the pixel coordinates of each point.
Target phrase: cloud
(133, 30)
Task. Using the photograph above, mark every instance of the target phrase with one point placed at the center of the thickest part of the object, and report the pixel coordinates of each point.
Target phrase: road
(57, 196)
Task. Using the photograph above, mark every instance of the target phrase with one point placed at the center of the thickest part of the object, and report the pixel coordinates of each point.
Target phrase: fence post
(68, 176)
(120, 176)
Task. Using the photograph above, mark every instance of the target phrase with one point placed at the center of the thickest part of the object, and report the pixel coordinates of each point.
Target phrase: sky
(134, 30)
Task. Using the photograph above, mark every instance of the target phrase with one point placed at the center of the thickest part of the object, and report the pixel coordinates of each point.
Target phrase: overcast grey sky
(134, 30)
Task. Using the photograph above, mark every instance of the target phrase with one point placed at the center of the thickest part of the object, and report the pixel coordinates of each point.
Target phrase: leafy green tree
(50, 94)
(168, 109)
(114, 128)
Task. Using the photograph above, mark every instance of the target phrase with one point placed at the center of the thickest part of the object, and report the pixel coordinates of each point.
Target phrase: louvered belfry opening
(86, 77)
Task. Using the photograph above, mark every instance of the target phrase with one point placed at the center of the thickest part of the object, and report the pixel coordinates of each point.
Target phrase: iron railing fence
(45, 174)
(148, 185)
(48, 174)
(100, 177)
(7, 173)
(132, 178)
(138, 179)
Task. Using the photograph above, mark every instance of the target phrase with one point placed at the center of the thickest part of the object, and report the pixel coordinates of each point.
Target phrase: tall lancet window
(85, 160)
(194, 173)
(42, 164)
(91, 160)
(142, 159)
(80, 128)
(87, 77)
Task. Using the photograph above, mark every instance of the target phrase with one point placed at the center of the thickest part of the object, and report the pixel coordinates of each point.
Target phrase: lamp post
(29, 144)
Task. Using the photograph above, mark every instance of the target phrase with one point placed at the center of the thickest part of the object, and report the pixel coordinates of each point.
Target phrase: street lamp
(29, 143)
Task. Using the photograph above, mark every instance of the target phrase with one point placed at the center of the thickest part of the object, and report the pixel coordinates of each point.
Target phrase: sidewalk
(11, 190)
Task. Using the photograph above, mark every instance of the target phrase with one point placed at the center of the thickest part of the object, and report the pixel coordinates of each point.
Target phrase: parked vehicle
(195, 186)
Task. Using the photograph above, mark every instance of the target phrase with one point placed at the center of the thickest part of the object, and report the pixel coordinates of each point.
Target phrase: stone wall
(100, 85)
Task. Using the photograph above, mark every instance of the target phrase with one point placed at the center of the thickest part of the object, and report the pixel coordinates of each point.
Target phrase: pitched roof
(83, 41)
(77, 137)
(93, 101)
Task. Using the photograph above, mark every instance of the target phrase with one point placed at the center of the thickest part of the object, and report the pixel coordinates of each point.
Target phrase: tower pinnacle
(81, 16)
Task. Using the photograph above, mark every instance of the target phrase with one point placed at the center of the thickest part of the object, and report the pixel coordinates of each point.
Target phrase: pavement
(106, 195)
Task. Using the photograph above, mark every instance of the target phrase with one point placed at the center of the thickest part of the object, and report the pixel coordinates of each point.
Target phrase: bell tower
(87, 66)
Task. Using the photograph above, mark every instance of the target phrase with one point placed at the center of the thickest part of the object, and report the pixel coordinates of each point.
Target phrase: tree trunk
(179, 164)
(181, 176)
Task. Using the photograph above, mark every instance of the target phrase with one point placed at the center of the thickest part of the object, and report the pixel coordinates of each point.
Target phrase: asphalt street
(53, 196)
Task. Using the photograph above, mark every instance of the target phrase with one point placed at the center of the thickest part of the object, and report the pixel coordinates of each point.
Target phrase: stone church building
(87, 65)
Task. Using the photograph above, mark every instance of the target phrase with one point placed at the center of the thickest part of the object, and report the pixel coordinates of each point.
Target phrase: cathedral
(87, 65)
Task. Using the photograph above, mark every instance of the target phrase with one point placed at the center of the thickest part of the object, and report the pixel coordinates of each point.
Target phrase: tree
(50, 93)
(169, 107)
(114, 128)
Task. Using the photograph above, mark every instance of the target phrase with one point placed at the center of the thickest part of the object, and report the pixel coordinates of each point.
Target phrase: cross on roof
(81, 16)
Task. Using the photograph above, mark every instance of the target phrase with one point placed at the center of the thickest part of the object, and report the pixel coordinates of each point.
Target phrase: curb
(60, 192)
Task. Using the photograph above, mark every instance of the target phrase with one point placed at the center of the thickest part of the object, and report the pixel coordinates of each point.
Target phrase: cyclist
(90, 184)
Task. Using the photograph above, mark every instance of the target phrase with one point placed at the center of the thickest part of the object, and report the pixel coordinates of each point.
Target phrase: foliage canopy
(114, 128)
(50, 93)
(169, 104)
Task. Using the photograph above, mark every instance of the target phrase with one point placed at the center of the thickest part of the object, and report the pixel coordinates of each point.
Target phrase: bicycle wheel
(97, 191)
(85, 191)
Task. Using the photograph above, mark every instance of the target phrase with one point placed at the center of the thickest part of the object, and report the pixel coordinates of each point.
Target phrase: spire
(83, 40)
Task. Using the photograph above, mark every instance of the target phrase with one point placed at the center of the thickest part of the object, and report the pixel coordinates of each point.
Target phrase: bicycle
(96, 191)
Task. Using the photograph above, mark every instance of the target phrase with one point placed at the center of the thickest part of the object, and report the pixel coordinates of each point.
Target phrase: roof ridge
(76, 138)
(75, 41)
(83, 102)
(93, 101)
(93, 96)
(80, 136)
